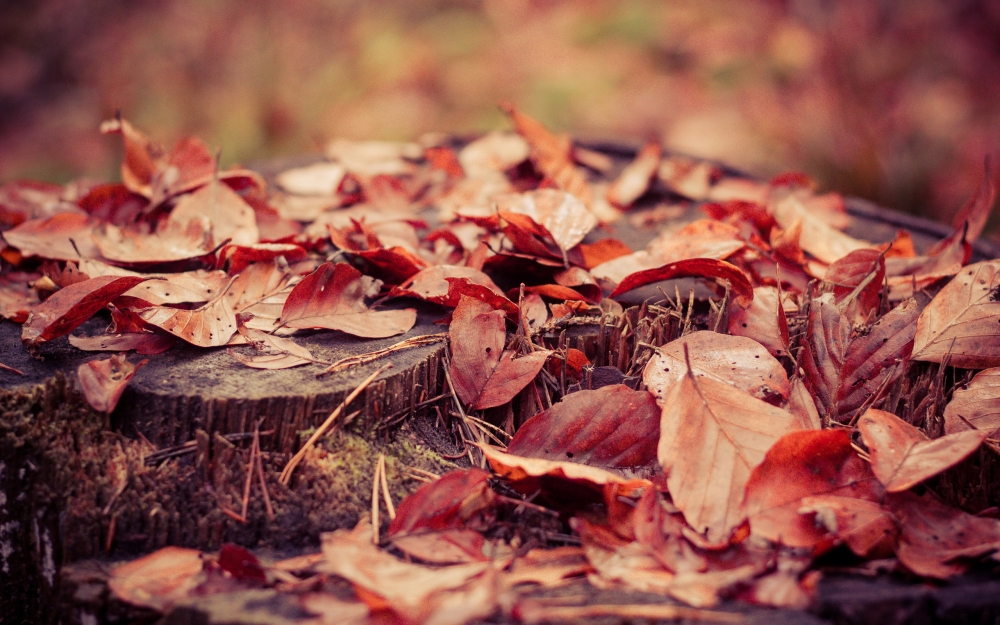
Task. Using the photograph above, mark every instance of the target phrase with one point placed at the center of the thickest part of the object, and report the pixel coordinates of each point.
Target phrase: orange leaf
(636, 177)
(763, 321)
(211, 325)
(104, 381)
(902, 456)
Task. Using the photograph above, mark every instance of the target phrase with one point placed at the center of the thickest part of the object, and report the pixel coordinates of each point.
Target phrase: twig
(375, 519)
(531, 612)
(260, 474)
(351, 361)
(190, 447)
(4, 367)
(385, 488)
(249, 481)
(286, 473)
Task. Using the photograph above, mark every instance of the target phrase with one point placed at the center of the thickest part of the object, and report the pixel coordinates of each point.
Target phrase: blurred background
(894, 101)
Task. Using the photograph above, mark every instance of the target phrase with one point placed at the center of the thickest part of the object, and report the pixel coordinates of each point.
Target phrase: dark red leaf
(448, 502)
(71, 306)
(241, 564)
(692, 268)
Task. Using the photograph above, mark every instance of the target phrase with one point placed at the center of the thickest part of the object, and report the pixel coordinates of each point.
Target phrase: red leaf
(692, 268)
(241, 564)
(104, 381)
(71, 306)
(66, 236)
(864, 269)
(509, 377)
(612, 427)
(827, 335)
(240, 257)
(332, 297)
(448, 502)
(804, 464)
(551, 154)
(433, 285)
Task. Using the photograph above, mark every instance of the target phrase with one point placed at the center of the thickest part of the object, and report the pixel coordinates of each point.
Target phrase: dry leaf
(158, 580)
(172, 241)
(232, 219)
(902, 456)
(636, 177)
(445, 503)
(564, 216)
(278, 352)
(332, 297)
(960, 323)
(104, 381)
(828, 333)
(804, 464)
(611, 427)
(65, 236)
(692, 268)
(763, 321)
(551, 154)
(212, 325)
(69, 307)
(866, 528)
(711, 436)
(818, 237)
(145, 343)
(735, 360)
(977, 405)
(317, 179)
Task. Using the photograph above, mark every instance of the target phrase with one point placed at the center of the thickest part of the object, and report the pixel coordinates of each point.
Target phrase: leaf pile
(765, 435)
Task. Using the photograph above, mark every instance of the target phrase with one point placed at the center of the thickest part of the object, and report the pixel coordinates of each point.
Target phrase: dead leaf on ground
(828, 333)
(736, 360)
(276, 352)
(960, 323)
(712, 435)
(636, 177)
(818, 238)
(902, 456)
(692, 268)
(445, 503)
(332, 297)
(104, 381)
(211, 325)
(563, 215)
(171, 242)
(977, 405)
(763, 321)
(158, 580)
(552, 154)
(868, 529)
(71, 306)
(65, 236)
(799, 465)
(232, 219)
(145, 343)
(612, 427)
(938, 540)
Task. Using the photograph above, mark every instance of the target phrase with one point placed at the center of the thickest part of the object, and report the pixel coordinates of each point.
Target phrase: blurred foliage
(895, 101)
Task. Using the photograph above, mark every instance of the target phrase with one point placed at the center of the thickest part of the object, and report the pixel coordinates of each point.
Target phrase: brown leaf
(171, 242)
(71, 306)
(763, 321)
(866, 528)
(875, 359)
(818, 237)
(158, 580)
(212, 325)
(552, 154)
(445, 503)
(692, 268)
(636, 177)
(960, 323)
(186, 287)
(564, 216)
(978, 405)
(902, 456)
(65, 236)
(711, 436)
(828, 333)
(510, 376)
(16, 299)
(799, 465)
(261, 290)
(145, 343)
(239, 257)
(448, 546)
(232, 219)
(278, 352)
(938, 540)
(531, 474)
(493, 152)
(611, 427)
(332, 297)
(735, 360)
(972, 217)
(861, 269)
(432, 283)
(415, 593)
(104, 381)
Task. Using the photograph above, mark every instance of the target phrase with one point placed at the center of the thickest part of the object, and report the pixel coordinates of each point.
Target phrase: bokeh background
(895, 101)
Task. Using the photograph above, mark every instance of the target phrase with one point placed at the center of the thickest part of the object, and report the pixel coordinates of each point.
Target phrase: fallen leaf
(145, 343)
(65, 236)
(232, 219)
(446, 503)
(415, 593)
(960, 323)
(551, 154)
(612, 427)
(818, 238)
(104, 381)
(861, 269)
(902, 456)
(211, 325)
(636, 177)
(332, 297)
(799, 465)
(188, 287)
(241, 563)
(864, 526)
(317, 179)
(448, 546)
(938, 540)
(763, 321)
(69, 307)
(692, 268)
(158, 580)
(712, 435)
(977, 405)
(171, 242)
(736, 360)
(239, 257)
(277, 352)
(828, 333)
(493, 152)
(563, 215)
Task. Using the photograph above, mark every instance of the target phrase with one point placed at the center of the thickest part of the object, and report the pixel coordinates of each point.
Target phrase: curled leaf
(72, 305)
(104, 381)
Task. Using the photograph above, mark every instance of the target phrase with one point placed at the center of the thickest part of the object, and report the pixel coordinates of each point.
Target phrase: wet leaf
(72, 305)
(712, 435)
(332, 297)
(612, 427)
(804, 464)
(104, 381)
(977, 405)
(902, 456)
(960, 323)
(736, 360)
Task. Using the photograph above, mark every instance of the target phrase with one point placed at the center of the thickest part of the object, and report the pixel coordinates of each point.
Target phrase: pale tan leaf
(321, 179)
(736, 360)
(211, 325)
(276, 352)
(712, 435)
(977, 405)
(903, 456)
(104, 381)
(562, 214)
(232, 219)
(636, 177)
(158, 580)
(961, 322)
(818, 237)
